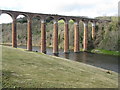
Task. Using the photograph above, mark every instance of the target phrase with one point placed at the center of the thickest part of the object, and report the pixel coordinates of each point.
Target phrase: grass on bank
(101, 51)
(26, 69)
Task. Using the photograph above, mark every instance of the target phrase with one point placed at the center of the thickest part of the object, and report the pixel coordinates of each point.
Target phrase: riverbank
(107, 52)
(26, 69)
(98, 51)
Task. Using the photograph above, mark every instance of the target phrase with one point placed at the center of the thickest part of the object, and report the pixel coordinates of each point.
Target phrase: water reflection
(77, 56)
(84, 57)
(66, 55)
(56, 54)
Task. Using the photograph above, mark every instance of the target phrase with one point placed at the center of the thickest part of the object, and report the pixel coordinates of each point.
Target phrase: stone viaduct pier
(56, 18)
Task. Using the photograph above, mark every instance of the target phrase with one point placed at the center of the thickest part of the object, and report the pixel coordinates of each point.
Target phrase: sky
(89, 8)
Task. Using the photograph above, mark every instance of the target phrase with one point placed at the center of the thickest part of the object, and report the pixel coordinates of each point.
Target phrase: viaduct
(56, 18)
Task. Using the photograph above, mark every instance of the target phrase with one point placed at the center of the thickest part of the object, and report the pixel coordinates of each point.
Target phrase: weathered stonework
(76, 37)
(43, 17)
(66, 37)
(29, 39)
(85, 37)
(43, 36)
(14, 34)
(55, 37)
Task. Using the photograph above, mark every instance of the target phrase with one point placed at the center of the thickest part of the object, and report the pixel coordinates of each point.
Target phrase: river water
(108, 62)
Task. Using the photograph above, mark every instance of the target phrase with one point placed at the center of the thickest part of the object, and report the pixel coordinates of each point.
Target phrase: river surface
(108, 62)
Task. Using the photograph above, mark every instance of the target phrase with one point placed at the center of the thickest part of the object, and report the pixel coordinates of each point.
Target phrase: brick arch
(72, 19)
(8, 37)
(52, 17)
(10, 14)
(25, 15)
(36, 15)
(62, 18)
(20, 20)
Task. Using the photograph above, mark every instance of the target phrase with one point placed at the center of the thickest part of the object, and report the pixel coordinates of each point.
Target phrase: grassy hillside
(36, 70)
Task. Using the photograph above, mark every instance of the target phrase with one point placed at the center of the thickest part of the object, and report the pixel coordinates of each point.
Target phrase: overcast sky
(90, 8)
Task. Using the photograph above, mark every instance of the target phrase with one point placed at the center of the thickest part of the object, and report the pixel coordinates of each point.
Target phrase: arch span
(54, 18)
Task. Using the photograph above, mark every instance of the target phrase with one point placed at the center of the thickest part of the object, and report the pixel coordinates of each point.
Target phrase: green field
(21, 68)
